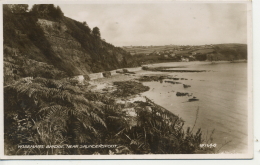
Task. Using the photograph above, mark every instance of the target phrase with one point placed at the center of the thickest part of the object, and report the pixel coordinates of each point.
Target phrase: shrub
(125, 71)
(145, 67)
(107, 74)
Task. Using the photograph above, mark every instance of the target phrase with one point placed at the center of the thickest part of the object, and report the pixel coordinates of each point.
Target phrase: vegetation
(22, 32)
(163, 132)
(96, 32)
(232, 51)
(42, 111)
(171, 53)
(19, 8)
(16, 67)
(153, 78)
(54, 112)
(128, 88)
(149, 59)
(47, 11)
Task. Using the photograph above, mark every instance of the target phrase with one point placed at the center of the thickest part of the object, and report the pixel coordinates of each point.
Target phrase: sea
(222, 109)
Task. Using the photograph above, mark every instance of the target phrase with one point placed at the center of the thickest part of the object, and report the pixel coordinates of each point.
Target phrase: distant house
(193, 53)
(166, 56)
(185, 59)
(132, 52)
(156, 53)
(173, 54)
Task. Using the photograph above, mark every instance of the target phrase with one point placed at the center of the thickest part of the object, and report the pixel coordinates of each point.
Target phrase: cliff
(67, 46)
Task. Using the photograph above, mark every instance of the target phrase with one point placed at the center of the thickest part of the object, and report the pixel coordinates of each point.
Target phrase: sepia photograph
(148, 80)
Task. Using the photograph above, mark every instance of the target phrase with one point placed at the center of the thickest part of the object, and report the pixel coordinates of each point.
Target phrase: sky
(142, 24)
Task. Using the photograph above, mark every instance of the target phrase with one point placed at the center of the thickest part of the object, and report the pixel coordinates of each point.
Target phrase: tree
(34, 9)
(47, 10)
(96, 32)
(60, 14)
(19, 8)
(43, 9)
(85, 23)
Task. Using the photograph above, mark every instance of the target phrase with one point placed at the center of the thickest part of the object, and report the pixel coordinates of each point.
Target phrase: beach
(221, 111)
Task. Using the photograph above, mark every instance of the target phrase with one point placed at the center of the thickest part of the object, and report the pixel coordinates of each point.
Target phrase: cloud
(164, 23)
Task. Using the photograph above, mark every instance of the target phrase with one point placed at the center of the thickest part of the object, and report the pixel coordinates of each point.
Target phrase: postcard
(127, 80)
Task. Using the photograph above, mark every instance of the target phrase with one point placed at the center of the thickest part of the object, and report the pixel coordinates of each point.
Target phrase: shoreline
(166, 64)
(106, 82)
(139, 72)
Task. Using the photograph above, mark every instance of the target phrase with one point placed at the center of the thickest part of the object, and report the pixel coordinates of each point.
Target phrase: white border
(179, 156)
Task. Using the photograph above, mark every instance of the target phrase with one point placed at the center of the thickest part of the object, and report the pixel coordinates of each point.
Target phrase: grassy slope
(149, 49)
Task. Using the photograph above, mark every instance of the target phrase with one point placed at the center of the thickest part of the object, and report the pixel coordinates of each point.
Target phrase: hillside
(65, 46)
(155, 54)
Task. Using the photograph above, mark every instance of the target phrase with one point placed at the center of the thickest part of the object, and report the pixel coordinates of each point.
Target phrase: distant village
(178, 52)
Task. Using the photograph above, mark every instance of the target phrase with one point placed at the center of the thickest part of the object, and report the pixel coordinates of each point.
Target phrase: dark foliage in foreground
(54, 112)
(159, 132)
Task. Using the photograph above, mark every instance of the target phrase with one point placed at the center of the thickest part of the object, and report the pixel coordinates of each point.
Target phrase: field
(201, 52)
(149, 49)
